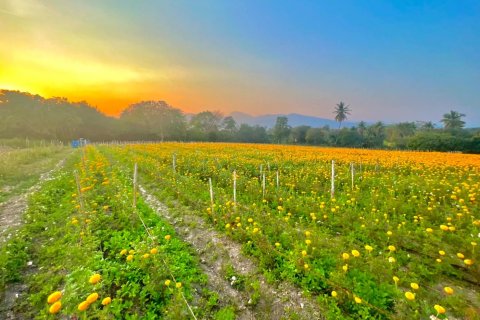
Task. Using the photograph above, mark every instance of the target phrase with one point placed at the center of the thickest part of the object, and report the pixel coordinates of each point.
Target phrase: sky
(389, 61)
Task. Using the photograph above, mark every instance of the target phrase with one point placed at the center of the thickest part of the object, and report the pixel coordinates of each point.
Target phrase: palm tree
(453, 120)
(341, 111)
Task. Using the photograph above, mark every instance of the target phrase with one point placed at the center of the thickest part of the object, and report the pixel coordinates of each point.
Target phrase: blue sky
(389, 60)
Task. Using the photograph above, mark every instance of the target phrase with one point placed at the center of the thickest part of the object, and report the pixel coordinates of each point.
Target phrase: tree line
(23, 115)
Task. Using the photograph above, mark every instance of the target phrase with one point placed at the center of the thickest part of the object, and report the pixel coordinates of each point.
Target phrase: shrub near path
(94, 258)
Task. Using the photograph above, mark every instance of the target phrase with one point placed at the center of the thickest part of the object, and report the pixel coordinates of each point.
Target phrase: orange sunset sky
(390, 61)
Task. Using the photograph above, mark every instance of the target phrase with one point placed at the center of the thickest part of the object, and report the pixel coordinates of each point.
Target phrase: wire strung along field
(371, 234)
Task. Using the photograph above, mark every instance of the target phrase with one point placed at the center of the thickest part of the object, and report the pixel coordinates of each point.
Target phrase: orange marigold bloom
(54, 308)
(54, 297)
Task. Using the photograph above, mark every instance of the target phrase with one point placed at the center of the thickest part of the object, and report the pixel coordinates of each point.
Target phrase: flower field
(397, 239)
(394, 237)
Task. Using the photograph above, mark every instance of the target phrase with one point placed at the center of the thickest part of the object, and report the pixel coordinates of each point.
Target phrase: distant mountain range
(294, 120)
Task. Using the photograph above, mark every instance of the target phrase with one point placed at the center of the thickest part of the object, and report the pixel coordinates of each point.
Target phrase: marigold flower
(277, 244)
(167, 237)
(414, 286)
(307, 234)
(308, 242)
(358, 300)
(468, 262)
(448, 290)
(345, 256)
(92, 297)
(460, 255)
(306, 266)
(391, 259)
(145, 256)
(334, 294)
(444, 227)
(54, 308)
(123, 252)
(167, 282)
(355, 253)
(368, 248)
(131, 252)
(130, 257)
(409, 295)
(396, 279)
(441, 252)
(304, 253)
(389, 233)
(429, 230)
(392, 248)
(83, 306)
(439, 309)
(178, 284)
(95, 278)
(106, 301)
(154, 251)
(54, 297)
(345, 267)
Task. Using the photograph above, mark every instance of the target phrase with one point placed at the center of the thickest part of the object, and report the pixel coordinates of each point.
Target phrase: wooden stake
(263, 185)
(332, 191)
(235, 187)
(135, 185)
(211, 193)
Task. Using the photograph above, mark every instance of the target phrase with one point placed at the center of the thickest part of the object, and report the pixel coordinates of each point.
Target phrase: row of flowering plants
(397, 239)
(93, 256)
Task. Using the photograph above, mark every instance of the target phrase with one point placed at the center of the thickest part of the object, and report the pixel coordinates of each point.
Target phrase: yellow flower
(460, 255)
(355, 253)
(250, 220)
(54, 308)
(429, 230)
(178, 284)
(358, 300)
(304, 253)
(439, 309)
(345, 256)
(277, 244)
(154, 251)
(444, 227)
(396, 279)
(448, 290)
(123, 252)
(106, 301)
(131, 252)
(441, 252)
(130, 257)
(308, 242)
(145, 256)
(307, 234)
(167, 282)
(167, 237)
(392, 248)
(92, 297)
(409, 295)
(345, 267)
(391, 259)
(414, 286)
(83, 306)
(468, 262)
(95, 278)
(334, 294)
(389, 233)
(368, 248)
(306, 266)
(54, 297)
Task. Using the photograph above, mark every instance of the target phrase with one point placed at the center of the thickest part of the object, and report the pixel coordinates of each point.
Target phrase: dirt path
(217, 251)
(11, 213)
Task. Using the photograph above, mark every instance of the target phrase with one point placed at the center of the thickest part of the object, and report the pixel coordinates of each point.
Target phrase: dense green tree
(298, 134)
(204, 126)
(281, 130)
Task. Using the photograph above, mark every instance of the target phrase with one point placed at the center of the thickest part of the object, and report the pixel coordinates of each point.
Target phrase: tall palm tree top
(453, 120)
(341, 111)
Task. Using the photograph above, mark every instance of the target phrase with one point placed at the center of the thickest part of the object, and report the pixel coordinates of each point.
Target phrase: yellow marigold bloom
(409, 295)
(123, 252)
(167, 237)
(334, 294)
(345, 256)
(414, 286)
(429, 230)
(452, 228)
(473, 243)
(358, 300)
(396, 279)
(95, 278)
(389, 233)
(154, 251)
(392, 248)
(368, 248)
(444, 227)
(355, 253)
(438, 260)
(304, 253)
(92, 297)
(345, 267)
(308, 242)
(448, 290)
(306, 266)
(131, 252)
(106, 301)
(178, 284)
(167, 282)
(145, 256)
(441, 252)
(468, 262)
(307, 234)
(130, 257)
(54, 308)
(391, 259)
(250, 220)
(255, 230)
(54, 297)
(439, 309)
(460, 255)
(83, 306)
(277, 244)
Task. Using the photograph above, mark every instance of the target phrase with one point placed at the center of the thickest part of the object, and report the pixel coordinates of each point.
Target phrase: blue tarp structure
(79, 143)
